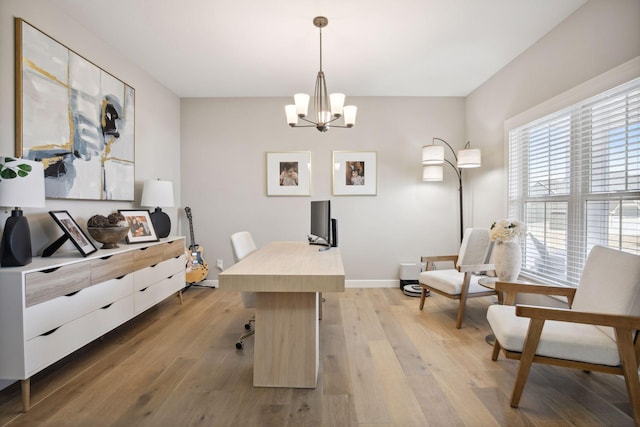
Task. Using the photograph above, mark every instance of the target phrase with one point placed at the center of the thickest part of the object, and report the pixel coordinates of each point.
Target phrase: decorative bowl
(108, 236)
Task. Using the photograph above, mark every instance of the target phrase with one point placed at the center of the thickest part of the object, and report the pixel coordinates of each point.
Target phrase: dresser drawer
(148, 256)
(174, 249)
(44, 350)
(155, 293)
(45, 285)
(152, 274)
(111, 267)
(42, 318)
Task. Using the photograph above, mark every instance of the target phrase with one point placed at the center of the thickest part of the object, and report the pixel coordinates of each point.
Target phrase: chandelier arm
(450, 147)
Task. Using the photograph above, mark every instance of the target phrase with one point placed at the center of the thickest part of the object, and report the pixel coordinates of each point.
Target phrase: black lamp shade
(161, 223)
(15, 248)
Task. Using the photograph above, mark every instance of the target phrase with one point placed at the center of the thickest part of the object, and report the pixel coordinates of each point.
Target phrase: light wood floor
(383, 363)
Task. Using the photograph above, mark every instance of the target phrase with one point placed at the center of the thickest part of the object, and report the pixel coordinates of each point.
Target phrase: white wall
(599, 36)
(157, 119)
(224, 142)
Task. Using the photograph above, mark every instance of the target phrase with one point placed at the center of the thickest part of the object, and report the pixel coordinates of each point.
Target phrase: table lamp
(21, 184)
(158, 193)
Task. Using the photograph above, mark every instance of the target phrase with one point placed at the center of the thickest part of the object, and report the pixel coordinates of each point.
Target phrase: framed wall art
(140, 226)
(74, 117)
(72, 231)
(289, 173)
(355, 173)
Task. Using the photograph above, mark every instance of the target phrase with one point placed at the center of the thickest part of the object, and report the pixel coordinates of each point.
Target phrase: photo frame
(73, 232)
(140, 226)
(289, 173)
(75, 117)
(355, 173)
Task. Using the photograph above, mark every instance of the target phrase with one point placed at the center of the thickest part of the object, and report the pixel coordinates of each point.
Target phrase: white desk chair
(243, 245)
(460, 283)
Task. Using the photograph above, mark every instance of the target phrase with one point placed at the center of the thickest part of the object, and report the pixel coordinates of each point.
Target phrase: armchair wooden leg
(629, 366)
(526, 359)
(463, 299)
(496, 351)
(423, 295)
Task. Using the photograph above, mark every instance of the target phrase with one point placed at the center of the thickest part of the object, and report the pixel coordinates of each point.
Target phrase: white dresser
(54, 306)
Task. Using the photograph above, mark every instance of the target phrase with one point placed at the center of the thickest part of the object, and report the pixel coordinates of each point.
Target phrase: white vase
(507, 258)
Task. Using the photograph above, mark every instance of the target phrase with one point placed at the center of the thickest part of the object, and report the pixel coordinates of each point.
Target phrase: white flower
(506, 230)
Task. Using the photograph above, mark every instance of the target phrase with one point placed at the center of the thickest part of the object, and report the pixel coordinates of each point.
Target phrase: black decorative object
(16, 241)
(161, 222)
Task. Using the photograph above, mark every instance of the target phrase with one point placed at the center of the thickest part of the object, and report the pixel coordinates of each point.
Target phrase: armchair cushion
(609, 284)
(450, 281)
(560, 340)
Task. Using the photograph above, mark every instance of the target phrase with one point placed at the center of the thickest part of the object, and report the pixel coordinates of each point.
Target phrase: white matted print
(289, 173)
(355, 173)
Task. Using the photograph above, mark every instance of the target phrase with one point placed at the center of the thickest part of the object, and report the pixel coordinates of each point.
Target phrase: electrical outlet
(219, 265)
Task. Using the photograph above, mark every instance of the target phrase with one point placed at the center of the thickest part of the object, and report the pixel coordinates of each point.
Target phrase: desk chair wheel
(239, 345)
(247, 326)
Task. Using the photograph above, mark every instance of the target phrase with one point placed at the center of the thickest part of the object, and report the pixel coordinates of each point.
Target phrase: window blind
(574, 179)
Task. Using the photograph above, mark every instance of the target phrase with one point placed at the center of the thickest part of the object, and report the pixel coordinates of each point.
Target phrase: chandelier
(328, 109)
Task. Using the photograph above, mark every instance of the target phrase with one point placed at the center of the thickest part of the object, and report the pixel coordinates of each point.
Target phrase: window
(574, 177)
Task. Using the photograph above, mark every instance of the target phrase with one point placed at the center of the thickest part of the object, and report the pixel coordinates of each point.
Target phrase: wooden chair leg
(463, 299)
(423, 295)
(496, 351)
(629, 366)
(526, 359)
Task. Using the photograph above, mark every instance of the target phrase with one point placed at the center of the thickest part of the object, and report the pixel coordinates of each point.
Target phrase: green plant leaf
(8, 174)
(25, 167)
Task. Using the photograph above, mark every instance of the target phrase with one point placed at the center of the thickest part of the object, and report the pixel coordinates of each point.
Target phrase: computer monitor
(321, 220)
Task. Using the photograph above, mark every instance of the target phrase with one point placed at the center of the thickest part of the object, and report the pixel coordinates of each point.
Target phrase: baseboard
(347, 284)
(371, 284)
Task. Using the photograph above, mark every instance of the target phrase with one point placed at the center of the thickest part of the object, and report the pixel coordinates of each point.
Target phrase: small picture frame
(355, 173)
(140, 226)
(289, 173)
(72, 232)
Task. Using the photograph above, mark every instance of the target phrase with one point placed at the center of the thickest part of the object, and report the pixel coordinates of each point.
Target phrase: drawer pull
(121, 277)
(153, 266)
(70, 294)
(142, 290)
(106, 257)
(51, 270)
(106, 306)
(50, 332)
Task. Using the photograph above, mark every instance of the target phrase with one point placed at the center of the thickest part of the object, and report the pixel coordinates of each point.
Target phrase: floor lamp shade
(158, 193)
(21, 185)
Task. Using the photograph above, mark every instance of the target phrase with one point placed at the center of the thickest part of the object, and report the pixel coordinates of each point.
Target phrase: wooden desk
(287, 277)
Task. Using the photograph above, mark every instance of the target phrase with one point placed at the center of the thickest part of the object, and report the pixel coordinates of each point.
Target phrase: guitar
(197, 268)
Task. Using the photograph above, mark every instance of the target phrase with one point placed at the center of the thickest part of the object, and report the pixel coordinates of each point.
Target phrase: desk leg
(286, 348)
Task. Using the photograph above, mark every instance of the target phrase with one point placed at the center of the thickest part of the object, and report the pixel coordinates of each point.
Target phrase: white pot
(507, 258)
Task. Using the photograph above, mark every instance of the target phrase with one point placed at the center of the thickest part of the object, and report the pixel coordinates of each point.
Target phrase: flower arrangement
(506, 230)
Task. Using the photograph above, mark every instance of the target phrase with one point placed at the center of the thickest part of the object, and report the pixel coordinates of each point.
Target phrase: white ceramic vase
(507, 258)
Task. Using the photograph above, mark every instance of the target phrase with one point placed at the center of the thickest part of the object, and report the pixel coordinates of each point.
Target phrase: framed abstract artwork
(355, 173)
(74, 117)
(289, 173)
(140, 226)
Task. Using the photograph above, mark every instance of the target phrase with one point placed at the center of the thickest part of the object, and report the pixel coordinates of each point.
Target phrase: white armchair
(599, 332)
(460, 282)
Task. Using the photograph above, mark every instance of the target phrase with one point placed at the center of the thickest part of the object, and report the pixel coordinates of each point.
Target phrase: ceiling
(254, 48)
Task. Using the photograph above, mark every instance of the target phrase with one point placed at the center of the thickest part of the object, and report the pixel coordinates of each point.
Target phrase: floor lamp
(433, 159)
